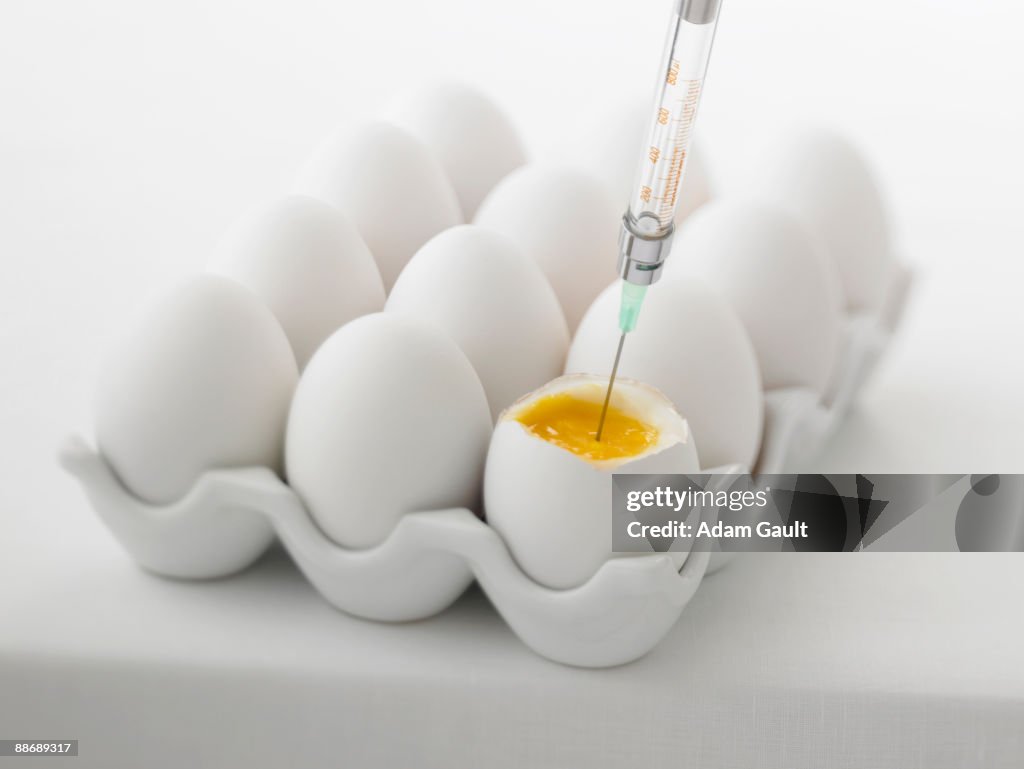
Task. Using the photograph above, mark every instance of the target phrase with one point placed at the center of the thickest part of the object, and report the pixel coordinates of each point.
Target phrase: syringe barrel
(648, 222)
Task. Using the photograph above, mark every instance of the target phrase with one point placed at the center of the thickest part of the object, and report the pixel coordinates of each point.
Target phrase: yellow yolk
(571, 423)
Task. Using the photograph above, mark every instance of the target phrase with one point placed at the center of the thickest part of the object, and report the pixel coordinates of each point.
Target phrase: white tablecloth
(813, 661)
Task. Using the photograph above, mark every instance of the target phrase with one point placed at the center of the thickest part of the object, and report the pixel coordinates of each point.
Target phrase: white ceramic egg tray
(231, 516)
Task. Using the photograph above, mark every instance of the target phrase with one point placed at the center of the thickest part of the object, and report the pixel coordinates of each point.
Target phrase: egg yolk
(571, 423)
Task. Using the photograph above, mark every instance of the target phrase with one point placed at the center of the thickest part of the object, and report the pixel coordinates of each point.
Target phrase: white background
(132, 133)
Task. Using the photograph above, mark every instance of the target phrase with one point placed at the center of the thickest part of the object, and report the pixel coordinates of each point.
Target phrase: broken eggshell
(552, 506)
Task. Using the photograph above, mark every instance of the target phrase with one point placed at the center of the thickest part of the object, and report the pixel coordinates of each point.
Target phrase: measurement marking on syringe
(687, 106)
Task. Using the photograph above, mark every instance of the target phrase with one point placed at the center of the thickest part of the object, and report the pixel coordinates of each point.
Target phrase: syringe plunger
(698, 11)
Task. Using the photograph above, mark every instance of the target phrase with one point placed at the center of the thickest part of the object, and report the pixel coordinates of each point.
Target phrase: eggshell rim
(669, 434)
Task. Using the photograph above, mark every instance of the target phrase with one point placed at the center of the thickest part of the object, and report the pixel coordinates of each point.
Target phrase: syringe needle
(611, 384)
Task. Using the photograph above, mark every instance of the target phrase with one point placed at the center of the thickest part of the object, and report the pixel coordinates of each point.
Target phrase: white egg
(615, 147)
(202, 381)
(389, 418)
(823, 180)
(553, 507)
(474, 140)
(691, 345)
(390, 184)
(564, 220)
(778, 280)
(493, 300)
(308, 263)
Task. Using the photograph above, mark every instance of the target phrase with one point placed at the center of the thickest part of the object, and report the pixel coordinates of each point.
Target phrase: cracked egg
(548, 482)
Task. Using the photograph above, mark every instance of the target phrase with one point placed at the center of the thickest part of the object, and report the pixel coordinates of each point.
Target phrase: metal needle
(611, 384)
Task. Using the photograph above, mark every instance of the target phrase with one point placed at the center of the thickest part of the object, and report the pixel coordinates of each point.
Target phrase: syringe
(647, 226)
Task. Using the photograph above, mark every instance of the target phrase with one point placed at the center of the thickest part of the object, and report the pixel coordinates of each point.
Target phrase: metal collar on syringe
(642, 254)
(698, 11)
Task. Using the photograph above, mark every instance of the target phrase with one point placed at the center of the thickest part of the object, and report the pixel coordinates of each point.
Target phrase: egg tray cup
(231, 516)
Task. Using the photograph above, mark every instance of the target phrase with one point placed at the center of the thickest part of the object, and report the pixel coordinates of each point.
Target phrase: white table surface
(132, 134)
(883, 661)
